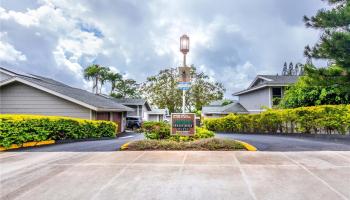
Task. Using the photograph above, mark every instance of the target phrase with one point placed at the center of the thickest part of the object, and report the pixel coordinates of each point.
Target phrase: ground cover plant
(18, 129)
(158, 137)
(211, 144)
(329, 119)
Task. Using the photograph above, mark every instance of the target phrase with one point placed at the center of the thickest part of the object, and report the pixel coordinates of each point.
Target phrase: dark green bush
(161, 131)
(316, 119)
(18, 129)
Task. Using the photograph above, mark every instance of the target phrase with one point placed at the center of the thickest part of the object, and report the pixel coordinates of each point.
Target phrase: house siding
(255, 100)
(22, 99)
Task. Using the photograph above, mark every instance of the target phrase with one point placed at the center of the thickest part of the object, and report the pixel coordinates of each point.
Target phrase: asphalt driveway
(87, 146)
(290, 143)
(175, 175)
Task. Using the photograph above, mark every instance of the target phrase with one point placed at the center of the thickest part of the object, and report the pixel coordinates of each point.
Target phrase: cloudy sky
(232, 41)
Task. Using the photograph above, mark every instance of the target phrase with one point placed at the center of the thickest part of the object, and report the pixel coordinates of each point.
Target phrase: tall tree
(92, 72)
(104, 75)
(161, 90)
(334, 44)
(328, 85)
(290, 69)
(113, 78)
(126, 88)
(285, 69)
(203, 91)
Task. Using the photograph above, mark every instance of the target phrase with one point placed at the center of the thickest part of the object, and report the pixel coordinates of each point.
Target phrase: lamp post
(184, 48)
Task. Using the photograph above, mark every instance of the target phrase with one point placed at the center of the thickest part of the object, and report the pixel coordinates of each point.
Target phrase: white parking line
(130, 136)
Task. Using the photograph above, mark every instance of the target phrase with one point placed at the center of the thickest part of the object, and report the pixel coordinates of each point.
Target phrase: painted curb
(28, 144)
(125, 146)
(247, 146)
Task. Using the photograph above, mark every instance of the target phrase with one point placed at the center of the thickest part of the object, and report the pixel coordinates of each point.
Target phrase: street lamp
(184, 71)
(184, 47)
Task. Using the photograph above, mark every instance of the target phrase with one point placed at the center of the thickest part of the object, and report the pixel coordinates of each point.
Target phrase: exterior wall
(153, 118)
(117, 117)
(4, 76)
(253, 101)
(144, 113)
(22, 99)
(132, 113)
(156, 117)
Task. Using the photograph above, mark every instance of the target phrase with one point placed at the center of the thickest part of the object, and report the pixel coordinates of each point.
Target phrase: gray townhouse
(22, 93)
(140, 107)
(264, 92)
(218, 109)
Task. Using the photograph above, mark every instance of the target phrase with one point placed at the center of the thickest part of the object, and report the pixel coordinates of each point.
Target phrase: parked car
(133, 122)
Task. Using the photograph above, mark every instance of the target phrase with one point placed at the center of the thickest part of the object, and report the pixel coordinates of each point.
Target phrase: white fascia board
(48, 91)
(256, 78)
(7, 72)
(256, 88)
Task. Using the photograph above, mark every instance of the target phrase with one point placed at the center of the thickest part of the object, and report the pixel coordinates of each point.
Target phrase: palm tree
(103, 74)
(113, 78)
(93, 72)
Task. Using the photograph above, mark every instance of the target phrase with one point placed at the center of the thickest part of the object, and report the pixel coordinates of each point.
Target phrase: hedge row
(161, 131)
(18, 129)
(326, 119)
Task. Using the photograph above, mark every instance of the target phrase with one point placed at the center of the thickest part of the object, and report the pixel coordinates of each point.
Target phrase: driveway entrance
(290, 143)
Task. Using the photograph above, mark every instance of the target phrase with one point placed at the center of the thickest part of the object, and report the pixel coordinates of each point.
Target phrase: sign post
(183, 124)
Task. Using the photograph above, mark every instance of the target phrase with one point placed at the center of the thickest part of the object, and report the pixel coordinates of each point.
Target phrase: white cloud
(8, 52)
(232, 41)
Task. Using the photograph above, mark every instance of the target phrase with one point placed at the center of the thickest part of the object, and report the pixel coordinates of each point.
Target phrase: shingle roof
(98, 101)
(262, 81)
(280, 79)
(158, 111)
(234, 107)
(129, 101)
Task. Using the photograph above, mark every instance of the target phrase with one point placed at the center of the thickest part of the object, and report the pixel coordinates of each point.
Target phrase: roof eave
(260, 87)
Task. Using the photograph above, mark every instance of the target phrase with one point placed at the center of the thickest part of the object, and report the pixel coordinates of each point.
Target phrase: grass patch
(212, 144)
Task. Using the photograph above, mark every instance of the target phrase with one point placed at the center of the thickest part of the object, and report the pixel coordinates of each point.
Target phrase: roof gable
(269, 80)
(75, 95)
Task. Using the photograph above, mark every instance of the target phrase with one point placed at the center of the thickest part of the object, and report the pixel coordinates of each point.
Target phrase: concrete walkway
(175, 175)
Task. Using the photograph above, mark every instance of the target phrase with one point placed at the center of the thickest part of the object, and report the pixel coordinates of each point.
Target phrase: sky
(231, 41)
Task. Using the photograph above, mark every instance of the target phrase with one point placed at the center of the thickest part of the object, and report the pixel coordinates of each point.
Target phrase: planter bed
(212, 144)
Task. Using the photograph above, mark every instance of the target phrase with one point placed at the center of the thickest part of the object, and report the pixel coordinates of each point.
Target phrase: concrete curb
(247, 146)
(28, 144)
(125, 146)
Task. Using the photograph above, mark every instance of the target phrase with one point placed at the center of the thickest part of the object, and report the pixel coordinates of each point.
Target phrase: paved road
(262, 142)
(289, 143)
(175, 175)
(88, 146)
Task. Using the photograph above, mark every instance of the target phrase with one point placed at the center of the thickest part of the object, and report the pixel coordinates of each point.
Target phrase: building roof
(234, 107)
(156, 111)
(262, 81)
(129, 101)
(87, 99)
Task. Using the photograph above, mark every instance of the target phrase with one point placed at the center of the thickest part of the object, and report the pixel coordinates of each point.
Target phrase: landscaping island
(158, 137)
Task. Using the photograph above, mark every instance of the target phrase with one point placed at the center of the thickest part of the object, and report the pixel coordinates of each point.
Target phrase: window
(276, 95)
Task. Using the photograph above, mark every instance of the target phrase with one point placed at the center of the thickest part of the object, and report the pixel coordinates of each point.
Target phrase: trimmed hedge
(18, 129)
(329, 119)
(161, 130)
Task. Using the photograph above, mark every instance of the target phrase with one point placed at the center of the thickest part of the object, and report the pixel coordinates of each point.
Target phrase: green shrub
(316, 119)
(18, 129)
(161, 131)
(212, 144)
